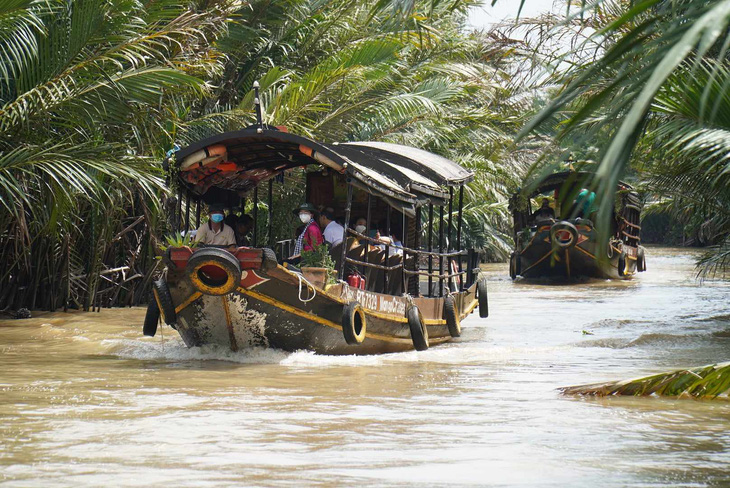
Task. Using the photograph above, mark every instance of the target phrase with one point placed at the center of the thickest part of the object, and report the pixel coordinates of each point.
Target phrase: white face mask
(304, 217)
(360, 229)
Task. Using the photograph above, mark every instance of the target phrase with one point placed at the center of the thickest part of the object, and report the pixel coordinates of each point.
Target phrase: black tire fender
(640, 259)
(451, 315)
(483, 297)
(161, 293)
(622, 264)
(151, 318)
(566, 227)
(268, 259)
(512, 267)
(354, 324)
(419, 332)
(218, 258)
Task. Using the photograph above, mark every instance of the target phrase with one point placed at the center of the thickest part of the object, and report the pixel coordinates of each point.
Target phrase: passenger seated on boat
(333, 232)
(374, 276)
(244, 225)
(360, 225)
(309, 237)
(215, 233)
(584, 203)
(396, 246)
(545, 212)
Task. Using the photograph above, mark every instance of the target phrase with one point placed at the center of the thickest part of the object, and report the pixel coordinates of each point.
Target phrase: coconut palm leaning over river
(656, 93)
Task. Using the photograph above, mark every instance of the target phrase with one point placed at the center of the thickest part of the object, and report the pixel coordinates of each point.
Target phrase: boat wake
(175, 350)
(643, 340)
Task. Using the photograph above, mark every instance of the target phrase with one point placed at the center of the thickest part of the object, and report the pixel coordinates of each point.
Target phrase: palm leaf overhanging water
(709, 382)
(644, 97)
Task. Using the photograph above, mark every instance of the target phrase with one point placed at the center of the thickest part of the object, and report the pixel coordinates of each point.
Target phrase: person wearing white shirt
(333, 232)
(396, 243)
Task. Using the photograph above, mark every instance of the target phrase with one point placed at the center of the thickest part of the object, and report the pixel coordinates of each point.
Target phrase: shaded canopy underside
(557, 181)
(405, 177)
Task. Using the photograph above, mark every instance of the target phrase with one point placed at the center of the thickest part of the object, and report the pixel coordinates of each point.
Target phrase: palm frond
(709, 382)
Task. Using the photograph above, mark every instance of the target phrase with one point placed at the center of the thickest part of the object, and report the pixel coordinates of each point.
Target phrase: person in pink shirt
(311, 235)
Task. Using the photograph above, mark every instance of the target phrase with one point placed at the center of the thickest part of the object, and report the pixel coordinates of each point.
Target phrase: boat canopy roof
(556, 181)
(237, 161)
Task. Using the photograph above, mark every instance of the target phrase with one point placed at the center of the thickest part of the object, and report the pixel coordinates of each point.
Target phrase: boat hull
(278, 308)
(540, 258)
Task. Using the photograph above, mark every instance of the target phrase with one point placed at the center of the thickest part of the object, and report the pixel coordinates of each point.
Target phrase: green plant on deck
(179, 240)
(319, 257)
(711, 381)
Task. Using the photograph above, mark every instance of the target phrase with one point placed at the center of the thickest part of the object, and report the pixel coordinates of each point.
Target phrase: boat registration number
(375, 301)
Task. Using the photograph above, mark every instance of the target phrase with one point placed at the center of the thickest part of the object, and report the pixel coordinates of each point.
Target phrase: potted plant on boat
(317, 265)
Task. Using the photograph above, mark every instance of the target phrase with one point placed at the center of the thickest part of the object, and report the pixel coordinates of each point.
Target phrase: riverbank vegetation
(93, 94)
(653, 102)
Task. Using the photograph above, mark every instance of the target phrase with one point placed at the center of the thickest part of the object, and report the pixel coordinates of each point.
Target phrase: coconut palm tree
(634, 92)
(93, 94)
(83, 89)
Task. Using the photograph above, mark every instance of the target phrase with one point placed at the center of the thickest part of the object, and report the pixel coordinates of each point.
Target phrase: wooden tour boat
(412, 298)
(566, 243)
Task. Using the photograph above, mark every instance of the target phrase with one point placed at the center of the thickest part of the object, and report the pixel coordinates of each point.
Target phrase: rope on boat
(309, 287)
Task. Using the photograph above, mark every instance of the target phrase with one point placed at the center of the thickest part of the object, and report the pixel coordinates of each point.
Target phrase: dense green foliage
(94, 93)
(654, 98)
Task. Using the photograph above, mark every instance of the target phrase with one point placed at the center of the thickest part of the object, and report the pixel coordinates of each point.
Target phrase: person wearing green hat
(311, 235)
(215, 232)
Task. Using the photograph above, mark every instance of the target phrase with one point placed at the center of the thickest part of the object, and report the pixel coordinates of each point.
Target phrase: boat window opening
(368, 223)
(256, 216)
(178, 217)
(458, 236)
(346, 226)
(449, 241)
(271, 213)
(187, 212)
(430, 249)
(441, 250)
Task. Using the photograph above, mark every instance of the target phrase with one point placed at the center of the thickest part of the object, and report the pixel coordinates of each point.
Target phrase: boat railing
(284, 249)
(416, 254)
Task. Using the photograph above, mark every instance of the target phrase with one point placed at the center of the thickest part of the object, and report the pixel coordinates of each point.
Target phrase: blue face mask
(217, 218)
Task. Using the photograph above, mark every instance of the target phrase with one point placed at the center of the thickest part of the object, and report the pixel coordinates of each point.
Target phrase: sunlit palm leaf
(706, 382)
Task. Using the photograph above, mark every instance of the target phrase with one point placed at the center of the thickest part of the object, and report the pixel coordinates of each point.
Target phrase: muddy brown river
(86, 400)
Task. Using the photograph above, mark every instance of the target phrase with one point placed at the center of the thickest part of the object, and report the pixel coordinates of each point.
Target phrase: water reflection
(87, 401)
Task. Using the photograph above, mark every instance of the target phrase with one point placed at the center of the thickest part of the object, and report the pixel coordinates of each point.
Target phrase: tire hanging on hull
(151, 318)
(161, 293)
(354, 323)
(419, 332)
(483, 297)
(451, 315)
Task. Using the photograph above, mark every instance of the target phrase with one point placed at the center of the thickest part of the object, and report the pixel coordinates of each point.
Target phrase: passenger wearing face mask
(215, 232)
(361, 225)
(311, 235)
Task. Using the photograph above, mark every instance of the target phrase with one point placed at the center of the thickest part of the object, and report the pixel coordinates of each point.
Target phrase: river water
(87, 401)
